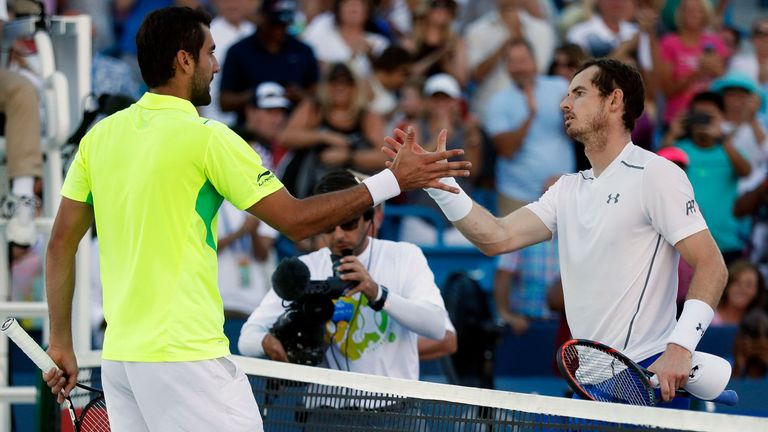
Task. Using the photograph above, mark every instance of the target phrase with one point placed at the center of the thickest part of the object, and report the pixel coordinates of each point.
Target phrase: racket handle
(728, 397)
(21, 338)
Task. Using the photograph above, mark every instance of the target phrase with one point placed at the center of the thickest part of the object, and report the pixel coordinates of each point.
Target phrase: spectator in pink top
(691, 58)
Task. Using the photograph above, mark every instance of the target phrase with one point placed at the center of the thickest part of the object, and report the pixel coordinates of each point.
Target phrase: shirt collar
(154, 101)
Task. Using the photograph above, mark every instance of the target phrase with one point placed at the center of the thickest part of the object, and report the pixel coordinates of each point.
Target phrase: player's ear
(184, 61)
(616, 99)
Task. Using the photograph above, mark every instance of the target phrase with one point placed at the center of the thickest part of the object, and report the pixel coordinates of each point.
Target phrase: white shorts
(207, 395)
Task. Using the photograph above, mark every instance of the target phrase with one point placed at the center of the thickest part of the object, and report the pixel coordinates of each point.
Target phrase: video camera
(301, 328)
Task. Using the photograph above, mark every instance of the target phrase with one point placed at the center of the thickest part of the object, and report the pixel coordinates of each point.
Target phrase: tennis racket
(598, 372)
(93, 416)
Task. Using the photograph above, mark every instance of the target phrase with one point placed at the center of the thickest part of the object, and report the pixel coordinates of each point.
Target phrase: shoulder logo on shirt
(264, 177)
(690, 207)
(613, 198)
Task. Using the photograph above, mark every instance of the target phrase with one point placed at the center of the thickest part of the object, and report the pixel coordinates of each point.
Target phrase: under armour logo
(689, 207)
(700, 329)
(693, 372)
(614, 198)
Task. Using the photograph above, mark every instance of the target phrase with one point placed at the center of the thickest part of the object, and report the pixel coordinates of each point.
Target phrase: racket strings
(606, 378)
(94, 417)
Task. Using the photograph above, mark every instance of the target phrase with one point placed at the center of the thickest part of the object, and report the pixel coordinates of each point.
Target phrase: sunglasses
(346, 226)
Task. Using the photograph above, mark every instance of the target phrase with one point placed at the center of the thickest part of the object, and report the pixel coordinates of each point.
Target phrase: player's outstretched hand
(672, 369)
(417, 168)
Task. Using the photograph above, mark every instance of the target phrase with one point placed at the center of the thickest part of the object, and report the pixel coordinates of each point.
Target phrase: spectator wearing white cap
(443, 110)
(265, 118)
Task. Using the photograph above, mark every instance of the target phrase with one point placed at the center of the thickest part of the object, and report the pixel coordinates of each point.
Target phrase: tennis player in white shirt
(622, 226)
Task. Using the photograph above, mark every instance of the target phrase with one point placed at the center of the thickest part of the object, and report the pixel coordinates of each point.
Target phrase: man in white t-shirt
(606, 30)
(377, 323)
(487, 39)
(622, 227)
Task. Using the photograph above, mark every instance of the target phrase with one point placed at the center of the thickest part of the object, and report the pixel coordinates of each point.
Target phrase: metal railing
(64, 48)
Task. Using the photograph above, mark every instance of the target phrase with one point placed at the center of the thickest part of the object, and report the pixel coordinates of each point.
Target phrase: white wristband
(693, 322)
(382, 186)
(454, 206)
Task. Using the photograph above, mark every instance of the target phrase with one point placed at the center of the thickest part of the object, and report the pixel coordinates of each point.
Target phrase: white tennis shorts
(207, 395)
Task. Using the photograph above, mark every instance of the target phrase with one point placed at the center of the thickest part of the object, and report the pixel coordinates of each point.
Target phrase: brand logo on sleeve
(690, 207)
(264, 177)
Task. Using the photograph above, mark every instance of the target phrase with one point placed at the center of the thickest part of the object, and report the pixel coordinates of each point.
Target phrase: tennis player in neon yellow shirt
(152, 178)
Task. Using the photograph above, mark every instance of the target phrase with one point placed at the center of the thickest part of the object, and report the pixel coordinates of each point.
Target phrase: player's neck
(173, 89)
(603, 150)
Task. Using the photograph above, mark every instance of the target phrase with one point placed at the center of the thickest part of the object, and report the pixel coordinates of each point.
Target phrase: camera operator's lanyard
(241, 250)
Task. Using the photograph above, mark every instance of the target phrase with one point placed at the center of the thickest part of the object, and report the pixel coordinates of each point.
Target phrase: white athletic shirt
(616, 236)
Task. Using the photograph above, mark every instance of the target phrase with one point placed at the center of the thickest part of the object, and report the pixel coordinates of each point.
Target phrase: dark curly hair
(165, 32)
(611, 75)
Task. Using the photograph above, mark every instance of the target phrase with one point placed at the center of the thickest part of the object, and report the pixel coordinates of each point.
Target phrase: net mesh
(301, 398)
(288, 405)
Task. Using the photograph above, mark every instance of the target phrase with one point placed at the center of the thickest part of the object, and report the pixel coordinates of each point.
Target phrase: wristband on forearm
(454, 206)
(382, 186)
(693, 322)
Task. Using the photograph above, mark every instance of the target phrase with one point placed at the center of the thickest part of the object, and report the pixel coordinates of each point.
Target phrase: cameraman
(392, 301)
(714, 168)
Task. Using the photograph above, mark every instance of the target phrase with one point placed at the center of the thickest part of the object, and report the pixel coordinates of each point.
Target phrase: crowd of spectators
(315, 85)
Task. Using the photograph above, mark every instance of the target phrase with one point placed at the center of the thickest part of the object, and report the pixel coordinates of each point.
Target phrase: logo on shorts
(613, 199)
(690, 207)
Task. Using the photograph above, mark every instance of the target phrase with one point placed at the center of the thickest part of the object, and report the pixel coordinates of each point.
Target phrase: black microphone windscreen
(290, 278)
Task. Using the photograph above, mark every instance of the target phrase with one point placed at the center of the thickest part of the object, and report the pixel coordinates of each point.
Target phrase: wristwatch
(379, 304)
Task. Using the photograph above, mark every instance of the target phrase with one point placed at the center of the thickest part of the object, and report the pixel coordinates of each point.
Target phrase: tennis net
(301, 398)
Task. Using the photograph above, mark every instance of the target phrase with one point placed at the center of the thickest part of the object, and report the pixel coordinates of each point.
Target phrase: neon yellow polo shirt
(156, 174)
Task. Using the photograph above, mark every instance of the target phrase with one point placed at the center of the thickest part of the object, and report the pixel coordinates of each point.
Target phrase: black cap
(279, 11)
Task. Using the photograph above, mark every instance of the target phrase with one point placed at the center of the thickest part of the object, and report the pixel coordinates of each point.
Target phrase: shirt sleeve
(235, 169)
(669, 202)
(77, 184)
(546, 207)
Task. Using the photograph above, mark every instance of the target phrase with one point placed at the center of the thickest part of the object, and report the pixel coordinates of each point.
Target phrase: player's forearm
(420, 317)
(320, 212)
(709, 278)
(60, 286)
(484, 230)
